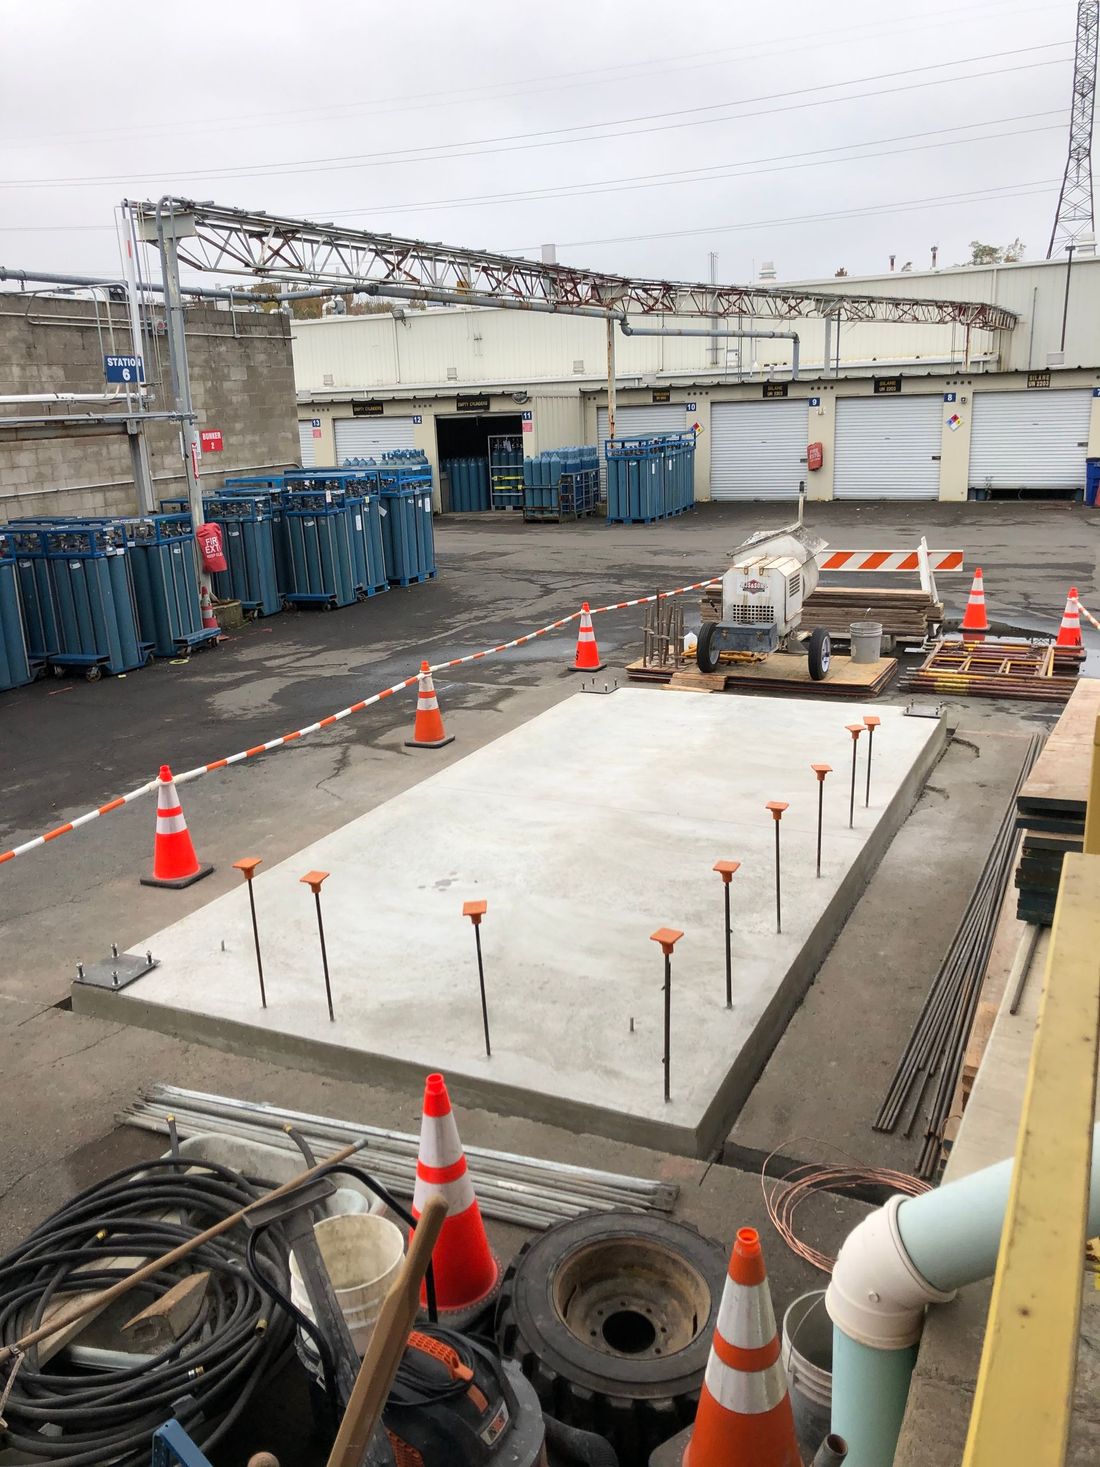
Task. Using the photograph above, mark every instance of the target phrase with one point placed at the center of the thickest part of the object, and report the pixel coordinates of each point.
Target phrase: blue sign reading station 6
(123, 369)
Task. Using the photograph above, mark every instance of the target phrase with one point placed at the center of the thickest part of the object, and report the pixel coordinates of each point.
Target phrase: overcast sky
(761, 121)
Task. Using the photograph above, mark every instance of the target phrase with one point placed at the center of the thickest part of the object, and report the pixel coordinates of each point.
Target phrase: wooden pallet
(782, 673)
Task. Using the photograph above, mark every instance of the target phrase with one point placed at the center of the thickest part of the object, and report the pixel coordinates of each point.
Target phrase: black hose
(57, 1414)
(571, 1447)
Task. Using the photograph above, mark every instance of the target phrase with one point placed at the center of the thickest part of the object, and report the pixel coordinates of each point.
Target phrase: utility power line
(543, 136)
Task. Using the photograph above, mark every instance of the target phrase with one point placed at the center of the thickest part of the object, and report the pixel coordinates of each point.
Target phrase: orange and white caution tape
(1087, 614)
(301, 733)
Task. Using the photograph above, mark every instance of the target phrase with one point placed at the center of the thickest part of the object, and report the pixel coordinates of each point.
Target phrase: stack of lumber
(1051, 805)
(905, 615)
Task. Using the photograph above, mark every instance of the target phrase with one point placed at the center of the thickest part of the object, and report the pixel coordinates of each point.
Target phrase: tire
(820, 653)
(611, 1317)
(707, 655)
(93, 674)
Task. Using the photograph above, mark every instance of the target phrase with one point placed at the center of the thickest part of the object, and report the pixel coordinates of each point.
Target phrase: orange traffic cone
(588, 654)
(1069, 633)
(974, 617)
(174, 860)
(206, 606)
(428, 730)
(744, 1410)
(466, 1272)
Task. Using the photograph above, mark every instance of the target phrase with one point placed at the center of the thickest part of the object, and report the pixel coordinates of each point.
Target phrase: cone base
(671, 1453)
(595, 667)
(463, 1317)
(429, 743)
(177, 883)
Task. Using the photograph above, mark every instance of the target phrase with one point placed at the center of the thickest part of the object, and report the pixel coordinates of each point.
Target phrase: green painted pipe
(885, 1276)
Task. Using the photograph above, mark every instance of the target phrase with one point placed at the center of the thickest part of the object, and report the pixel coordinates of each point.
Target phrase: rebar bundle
(933, 1055)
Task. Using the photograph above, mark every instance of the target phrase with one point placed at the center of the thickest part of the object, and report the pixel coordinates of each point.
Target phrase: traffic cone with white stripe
(428, 730)
(174, 860)
(1069, 633)
(467, 1275)
(588, 654)
(974, 617)
(744, 1418)
(206, 607)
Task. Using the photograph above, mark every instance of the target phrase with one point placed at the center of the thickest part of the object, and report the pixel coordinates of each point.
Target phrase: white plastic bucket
(866, 640)
(808, 1361)
(362, 1253)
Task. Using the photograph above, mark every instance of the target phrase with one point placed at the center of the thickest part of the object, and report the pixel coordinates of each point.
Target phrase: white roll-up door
(887, 448)
(307, 444)
(665, 417)
(757, 449)
(1029, 440)
(368, 437)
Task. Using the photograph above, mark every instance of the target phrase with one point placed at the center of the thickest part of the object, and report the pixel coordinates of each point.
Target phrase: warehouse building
(900, 411)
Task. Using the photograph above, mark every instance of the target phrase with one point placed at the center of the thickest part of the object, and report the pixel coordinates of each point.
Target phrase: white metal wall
(757, 449)
(665, 417)
(1029, 440)
(307, 444)
(368, 437)
(887, 448)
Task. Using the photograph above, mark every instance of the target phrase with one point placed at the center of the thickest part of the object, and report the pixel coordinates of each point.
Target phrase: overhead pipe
(792, 336)
(12, 397)
(912, 1252)
(204, 292)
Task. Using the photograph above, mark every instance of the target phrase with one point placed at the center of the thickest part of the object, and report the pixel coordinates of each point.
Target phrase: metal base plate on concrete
(116, 973)
(585, 829)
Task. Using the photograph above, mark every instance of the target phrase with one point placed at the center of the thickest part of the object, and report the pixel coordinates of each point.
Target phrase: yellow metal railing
(1024, 1396)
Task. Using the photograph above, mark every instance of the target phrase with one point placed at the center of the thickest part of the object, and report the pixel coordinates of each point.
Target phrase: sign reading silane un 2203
(123, 369)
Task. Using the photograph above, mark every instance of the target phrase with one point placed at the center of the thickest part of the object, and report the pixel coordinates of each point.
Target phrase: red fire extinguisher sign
(815, 456)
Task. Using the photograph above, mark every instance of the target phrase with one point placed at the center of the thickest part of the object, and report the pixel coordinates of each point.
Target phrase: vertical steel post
(855, 729)
(777, 807)
(247, 868)
(871, 721)
(726, 870)
(821, 770)
(313, 880)
(610, 379)
(475, 911)
(668, 937)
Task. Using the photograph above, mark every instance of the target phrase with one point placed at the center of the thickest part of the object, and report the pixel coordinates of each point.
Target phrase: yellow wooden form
(1092, 810)
(1024, 1395)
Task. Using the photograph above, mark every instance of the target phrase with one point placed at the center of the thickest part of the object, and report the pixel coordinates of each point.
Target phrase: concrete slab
(585, 829)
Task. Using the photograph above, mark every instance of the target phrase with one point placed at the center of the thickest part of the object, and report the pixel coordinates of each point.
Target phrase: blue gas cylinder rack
(93, 598)
(323, 569)
(162, 559)
(17, 667)
(407, 535)
(248, 543)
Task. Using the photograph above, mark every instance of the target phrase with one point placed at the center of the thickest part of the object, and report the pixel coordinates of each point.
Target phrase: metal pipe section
(912, 1252)
(10, 397)
(792, 336)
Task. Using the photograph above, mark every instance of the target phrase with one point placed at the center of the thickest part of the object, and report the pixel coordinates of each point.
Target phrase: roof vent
(578, 366)
(452, 374)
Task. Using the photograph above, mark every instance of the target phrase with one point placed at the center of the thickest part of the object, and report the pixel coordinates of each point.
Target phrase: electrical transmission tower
(1074, 216)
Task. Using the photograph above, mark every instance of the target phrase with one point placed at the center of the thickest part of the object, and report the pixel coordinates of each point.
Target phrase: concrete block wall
(242, 382)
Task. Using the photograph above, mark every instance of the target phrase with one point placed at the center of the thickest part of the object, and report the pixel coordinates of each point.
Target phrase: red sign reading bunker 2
(211, 440)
